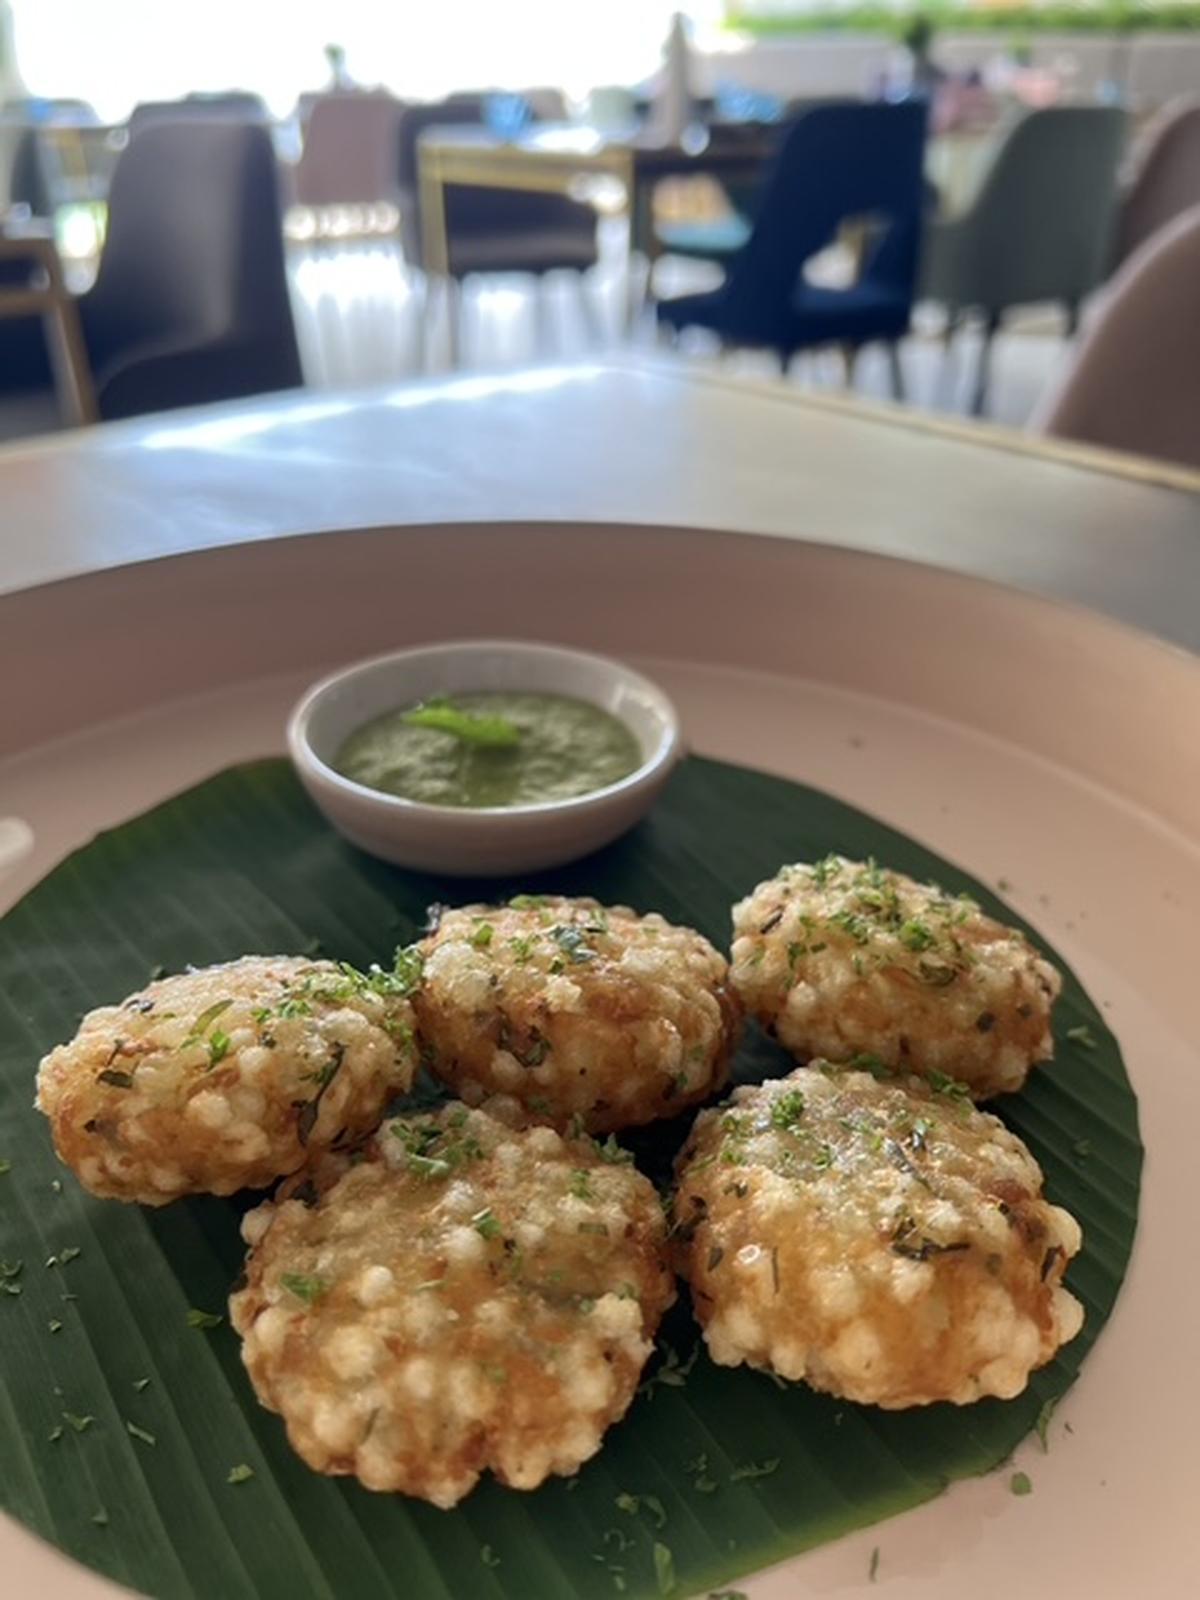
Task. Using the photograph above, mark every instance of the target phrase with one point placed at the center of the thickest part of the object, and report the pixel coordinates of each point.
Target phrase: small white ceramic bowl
(492, 840)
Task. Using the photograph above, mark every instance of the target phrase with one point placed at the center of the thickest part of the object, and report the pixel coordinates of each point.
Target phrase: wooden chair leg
(991, 327)
(895, 369)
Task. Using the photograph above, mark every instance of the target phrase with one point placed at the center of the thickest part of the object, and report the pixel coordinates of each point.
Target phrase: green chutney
(491, 749)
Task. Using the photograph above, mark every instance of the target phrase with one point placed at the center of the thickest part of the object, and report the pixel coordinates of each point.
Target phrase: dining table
(650, 440)
(556, 157)
(983, 638)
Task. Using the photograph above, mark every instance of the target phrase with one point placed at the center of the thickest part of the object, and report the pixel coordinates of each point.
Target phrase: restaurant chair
(236, 106)
(349, 151)
(1134, 383)
(190, 303)
(1038, 229)
(719, 239)
(1162, 178)
(837, 164)
(491, 230)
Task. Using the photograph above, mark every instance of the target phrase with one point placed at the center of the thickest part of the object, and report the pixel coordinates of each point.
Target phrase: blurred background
(967, 206)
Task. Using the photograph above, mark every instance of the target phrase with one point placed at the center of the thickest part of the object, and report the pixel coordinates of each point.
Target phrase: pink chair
(1163, 176)
(1135, 381)
(351, 150)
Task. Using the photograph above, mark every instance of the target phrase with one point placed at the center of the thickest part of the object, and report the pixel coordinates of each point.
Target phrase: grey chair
(1135, 381)
(1039, 226)
(191, 303)
(1163, 176)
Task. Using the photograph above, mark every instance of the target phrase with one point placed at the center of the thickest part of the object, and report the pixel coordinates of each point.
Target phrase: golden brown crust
(840, 958)
(225, 1077)
(881, 1240)
(467, 1297)
(575, 1011)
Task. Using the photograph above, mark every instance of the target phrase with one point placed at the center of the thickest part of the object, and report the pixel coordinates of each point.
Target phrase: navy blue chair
(836, 164)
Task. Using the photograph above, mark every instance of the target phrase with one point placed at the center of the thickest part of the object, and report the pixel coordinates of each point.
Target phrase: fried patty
(226, 1077)
(578, 1013)
(842, 958)
(882, 1240)
(468, 1297)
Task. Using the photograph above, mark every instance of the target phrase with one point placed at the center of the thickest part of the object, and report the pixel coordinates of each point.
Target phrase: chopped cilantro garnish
(754, 1469)
(77, 1423)
(822, 872)
(1082, 1035)
(134, 1432)
(529, 902)
(100, 1518)
(239, 1474)
(632, 1504)
(916, 935)
(947, 1086)
(858, 928)
(204, 1319)
(205, 1021)
(54, 1325)
(1042, 1425)
(600, 1229)
(472, 727)
(610, 1151)
(218, 1047)
(572, 942)
(865, 1062)
(488, 1556)
(580, 1184)
(141, 1383)
(427, 1166)
(664, 1568)
(522, 948)
(305, 1286)
(485, 1224)
(1019, 1483)
(64, 1257)
(482, 936)
(787, 1109)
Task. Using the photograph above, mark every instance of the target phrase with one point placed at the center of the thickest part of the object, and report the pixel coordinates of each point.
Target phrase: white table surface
(648, 443)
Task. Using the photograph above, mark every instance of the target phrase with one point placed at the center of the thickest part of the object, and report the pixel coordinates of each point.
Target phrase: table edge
(959, 430)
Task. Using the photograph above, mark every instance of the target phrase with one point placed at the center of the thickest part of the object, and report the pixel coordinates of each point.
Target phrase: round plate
(1027, 741)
